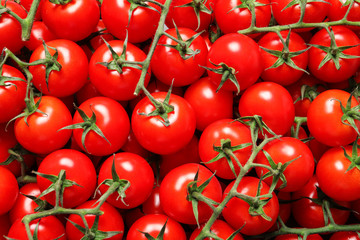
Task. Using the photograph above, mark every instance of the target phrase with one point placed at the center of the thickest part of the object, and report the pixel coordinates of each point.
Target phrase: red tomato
(236, 211)
(225, 129)
(308, 213)
(328, 72)
(9, 190)
(283, 150)
(231, 19)
(111, 119)
(152, 205)
(168, 64)
(49, 228)
(324, 118)
(208, 104)
(334, 176)
(284, 74)
(136, 171)
(74, 65)
(12, 94)
(221, 229)
(345, 236)
(143, 21)
(151, 132)
(111, 83)
(272, 102)
(174, 193)
(86, 92)
(355, 205)
(284, 210)
(152, 224)
(41, 135)
(296, 237)
(39, 32)
(337, 10)
(74, 20)
(234, 50)
(10, 28)
(70, 161)
(4, 226)
(110, 220)
(132, 145)
(27, 5)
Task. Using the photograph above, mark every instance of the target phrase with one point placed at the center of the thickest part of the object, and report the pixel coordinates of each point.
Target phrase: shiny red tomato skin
(153, 135)
(39, 32)
(238, 133)
(284, 74)
(152, 205)
(9, 190)
(110, 220)
(333, 177)
(286, 149)
(10, 28)
(345, 236)
(74, 65)
(173, 193)
(272, 102)
(111, 83)
(324, 118)
(136, 170)
(49, 228)
(27, 5)
(234, 50)
(143, 21)
(12, 95)
(73, 21)
(328, 72)
(338, 9)
(167, 64)
(220, 228)
(309, 214)
(70, 161)
(42, 135)
(236, 211)
(152, 224)
(208, 104)
(112, 120)
(296, 237)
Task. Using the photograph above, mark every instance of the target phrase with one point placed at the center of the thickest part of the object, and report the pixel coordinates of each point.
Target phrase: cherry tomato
(221, 229)
(9, 190)
(39, 32)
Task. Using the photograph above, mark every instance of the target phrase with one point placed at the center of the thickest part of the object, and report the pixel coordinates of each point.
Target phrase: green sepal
(3, 9)
(354, 158)
(259, 123)
(42, 204)
(235, 233)
(15, 154)
(138, 3)
(248, 4)
(160, 236)
(198, 6)
(5, 81)
(60, 2)
(350, 114)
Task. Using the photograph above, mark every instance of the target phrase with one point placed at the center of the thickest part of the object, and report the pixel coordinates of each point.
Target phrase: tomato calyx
(60, 2)
(3, 9)
(354, 158)
(198, 6)
(228, 73)
(285, 56)
(16, 154)
(226, 150)
(308, 92)
(160, 236)
(162, 109)
(257, 125)
(93, 233)
(59, 183)
(194, 195)
(350, 114)
(42, 204)
(334, 52)
(5, 80)
(119, 62)
(138, 3)
(183, 47)
(88, 125)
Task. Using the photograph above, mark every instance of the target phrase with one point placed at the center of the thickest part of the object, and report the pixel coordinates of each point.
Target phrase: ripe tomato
(27, 5)
(10, 28)
(132, 145)
(70, 161)
(152, 224)
(283, 150)
(111, 119)
(234, 50)
(49, 228)
(4, 226)
(143, 21)
(111, 83)
(151, 132)
(110, 220)
(174, 193)
(74, 20)
(9, 190)
(221, 229)
(345, 236)
(169, 66)
(152, 205)
(74, 65)
(213, 135)
(324, 118)
(12, 94)
(39, 32)
(136, 171)
(208, 104)
(334, 176)
(41, 135)
(337, 10)
(296, 237)
(348, 66)
(272, 102)
(308, 213)
(236, 212)
(240, 18)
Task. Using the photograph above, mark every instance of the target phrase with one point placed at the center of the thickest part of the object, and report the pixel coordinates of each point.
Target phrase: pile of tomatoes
(170, 123)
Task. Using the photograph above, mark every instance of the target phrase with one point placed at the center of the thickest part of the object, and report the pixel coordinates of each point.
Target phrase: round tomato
(4, 226)
(152, 205)
(27, 5)
(70, 161)
(338, 9)
(39, 32)
(345, 236)
(296, 237)
(221, 229)
(9, 190)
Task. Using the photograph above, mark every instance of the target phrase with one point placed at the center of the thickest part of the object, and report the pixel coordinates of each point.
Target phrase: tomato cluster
(182, 119)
